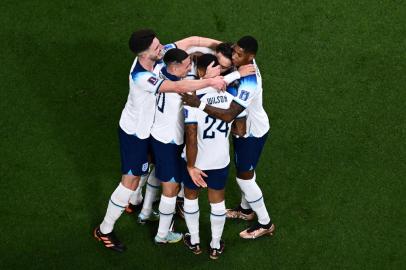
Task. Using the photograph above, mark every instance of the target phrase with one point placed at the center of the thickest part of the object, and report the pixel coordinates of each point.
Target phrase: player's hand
(218, 83)
(197, 176)
(190, 99)
(211, 71)
(246, 70)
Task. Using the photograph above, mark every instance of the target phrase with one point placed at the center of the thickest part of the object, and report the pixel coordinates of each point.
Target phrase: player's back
(249, 95)
(212, 133)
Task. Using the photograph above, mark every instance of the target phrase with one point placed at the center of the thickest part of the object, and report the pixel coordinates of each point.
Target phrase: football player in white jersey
(206, 165)
(248, 148)
(167, 138)
(137, 118)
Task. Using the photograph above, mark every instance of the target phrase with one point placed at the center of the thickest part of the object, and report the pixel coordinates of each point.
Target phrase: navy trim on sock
(255, 200)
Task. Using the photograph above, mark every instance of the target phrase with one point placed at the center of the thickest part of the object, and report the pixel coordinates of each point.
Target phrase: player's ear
(251, 57)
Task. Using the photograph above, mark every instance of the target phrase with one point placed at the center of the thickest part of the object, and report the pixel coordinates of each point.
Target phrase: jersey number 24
(210, 132)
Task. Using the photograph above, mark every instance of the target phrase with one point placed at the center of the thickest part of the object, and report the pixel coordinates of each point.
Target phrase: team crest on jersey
(185, 112)
(152, 80)
(244, 95)
(145, 167)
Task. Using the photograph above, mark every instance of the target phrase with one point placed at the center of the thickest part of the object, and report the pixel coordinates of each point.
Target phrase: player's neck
(172, 72)
(246, 63)
(146, 63)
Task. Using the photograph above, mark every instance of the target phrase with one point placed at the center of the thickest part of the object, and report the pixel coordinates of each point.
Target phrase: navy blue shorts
(247, 152)
(216, 179)
(167, 160)
(134, 154)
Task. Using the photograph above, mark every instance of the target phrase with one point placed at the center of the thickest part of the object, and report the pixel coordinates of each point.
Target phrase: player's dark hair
(204, 60)
(141, 40)
(248, 44)
(226, 49)
(175, 56)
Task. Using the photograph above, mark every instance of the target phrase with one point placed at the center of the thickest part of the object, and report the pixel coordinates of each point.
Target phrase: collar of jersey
(139, 68)
(168, 75)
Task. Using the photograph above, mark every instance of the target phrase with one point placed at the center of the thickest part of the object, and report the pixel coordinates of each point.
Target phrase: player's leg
(136, 199)
(180, 202)
(192, 214)
(134, 163)
(191, 210)
(166, 211)
(242, 210)
(151, 193)
(248, 151)
(216, 182)
(181, 194)
(167, 165)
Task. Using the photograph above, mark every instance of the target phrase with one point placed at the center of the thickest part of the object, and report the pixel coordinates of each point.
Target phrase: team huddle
(185, 99)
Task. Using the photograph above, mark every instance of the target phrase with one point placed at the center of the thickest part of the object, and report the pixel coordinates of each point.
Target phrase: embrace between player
(152, 123)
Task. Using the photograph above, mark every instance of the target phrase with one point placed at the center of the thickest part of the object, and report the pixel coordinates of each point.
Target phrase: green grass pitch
(332, 172)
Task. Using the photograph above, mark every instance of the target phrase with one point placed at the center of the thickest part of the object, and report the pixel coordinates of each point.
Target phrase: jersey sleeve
(194, 49)
(242, 114)
(190, 114)
(168, 47)
(246, 91)
(147, 81)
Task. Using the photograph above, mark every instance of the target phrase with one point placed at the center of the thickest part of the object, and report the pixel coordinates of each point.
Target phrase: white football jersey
(212, 134)
(249, 95)
(138, 113)
(168, 126)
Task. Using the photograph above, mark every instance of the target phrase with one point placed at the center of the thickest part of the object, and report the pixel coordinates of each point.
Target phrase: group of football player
(185, 99)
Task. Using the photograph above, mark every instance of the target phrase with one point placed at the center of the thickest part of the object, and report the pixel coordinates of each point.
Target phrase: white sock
(244, 204)
(217, 220)
(118, 202)
(253, 195)
(136, 196)
(166, 211)
(181, 193)
(192, 214)
(151, 193)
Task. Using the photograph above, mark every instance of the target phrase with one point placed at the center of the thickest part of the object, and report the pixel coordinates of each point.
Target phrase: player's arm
(186, 43)
(191, 154)
(183, 86)
(226, 115)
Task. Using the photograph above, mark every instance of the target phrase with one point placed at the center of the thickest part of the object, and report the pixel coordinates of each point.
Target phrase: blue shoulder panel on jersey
(168, 47)
(250, 81)
(231, 89)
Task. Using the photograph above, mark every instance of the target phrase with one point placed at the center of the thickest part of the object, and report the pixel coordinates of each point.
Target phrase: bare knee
(170, 189)
(191, 194)
(248, 175)
(130, 181)
(215, 196)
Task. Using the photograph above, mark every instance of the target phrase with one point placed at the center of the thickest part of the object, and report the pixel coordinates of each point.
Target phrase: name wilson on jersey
(216, 100)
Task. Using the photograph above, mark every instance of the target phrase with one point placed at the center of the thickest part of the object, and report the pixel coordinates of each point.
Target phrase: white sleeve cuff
(202, 105)
(229, 78)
